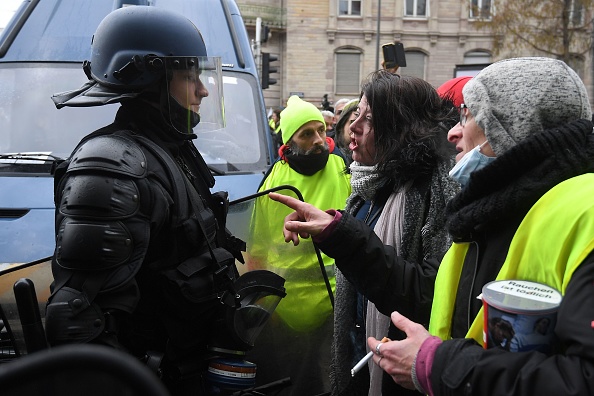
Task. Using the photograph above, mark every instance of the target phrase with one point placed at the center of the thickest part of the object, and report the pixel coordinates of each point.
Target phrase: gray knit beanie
(515, 98)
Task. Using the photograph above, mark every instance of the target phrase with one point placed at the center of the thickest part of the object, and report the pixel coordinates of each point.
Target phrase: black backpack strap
(221, 258)
(173, 173)
(183, 193)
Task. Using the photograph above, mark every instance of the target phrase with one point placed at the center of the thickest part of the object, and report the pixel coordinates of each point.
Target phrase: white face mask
(470, 162)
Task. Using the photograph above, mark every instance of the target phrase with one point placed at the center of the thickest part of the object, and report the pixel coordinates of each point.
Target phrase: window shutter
(415, 64)
(347, 72)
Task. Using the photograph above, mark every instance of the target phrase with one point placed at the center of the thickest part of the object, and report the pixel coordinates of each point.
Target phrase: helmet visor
(195, 88)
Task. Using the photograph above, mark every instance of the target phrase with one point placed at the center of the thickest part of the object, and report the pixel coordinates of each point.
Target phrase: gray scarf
(364, 183)
(389, 229)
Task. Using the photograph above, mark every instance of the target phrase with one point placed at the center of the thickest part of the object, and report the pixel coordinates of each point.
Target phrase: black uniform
(138, 262)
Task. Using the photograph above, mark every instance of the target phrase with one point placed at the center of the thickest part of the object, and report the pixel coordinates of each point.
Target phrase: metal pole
(377, 49)
(258, 29)
(257, 44)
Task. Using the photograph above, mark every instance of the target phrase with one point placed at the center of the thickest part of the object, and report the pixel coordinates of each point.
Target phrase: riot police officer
(142, 258)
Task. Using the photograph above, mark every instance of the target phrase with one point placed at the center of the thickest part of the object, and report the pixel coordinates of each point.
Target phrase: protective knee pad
(71, 319)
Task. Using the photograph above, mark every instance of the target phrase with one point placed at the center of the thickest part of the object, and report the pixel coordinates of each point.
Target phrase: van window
(45, 58)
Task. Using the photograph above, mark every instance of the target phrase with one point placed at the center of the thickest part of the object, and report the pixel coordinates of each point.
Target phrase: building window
(480, 9)
(474, 62)
(415, 64)
(415, 8)
(349, 7)
(477, 57)
(348, 70)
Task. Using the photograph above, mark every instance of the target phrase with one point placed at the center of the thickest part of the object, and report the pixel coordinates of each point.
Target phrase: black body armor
(143, 259)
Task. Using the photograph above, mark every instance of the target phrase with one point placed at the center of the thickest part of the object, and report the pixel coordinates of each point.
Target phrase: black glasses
(463, 111)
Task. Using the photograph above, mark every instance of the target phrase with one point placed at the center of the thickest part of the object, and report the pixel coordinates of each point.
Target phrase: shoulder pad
(113, 153)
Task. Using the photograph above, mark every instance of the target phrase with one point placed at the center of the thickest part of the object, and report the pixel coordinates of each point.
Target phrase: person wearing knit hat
(302, 322)
(502, 108)
(520, 97)
(452, 89)
(525, 214)
(297, 113)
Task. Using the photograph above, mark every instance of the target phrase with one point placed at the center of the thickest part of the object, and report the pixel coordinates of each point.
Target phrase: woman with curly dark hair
(393, 224)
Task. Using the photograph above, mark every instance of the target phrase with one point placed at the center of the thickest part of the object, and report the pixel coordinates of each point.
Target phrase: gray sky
(7, 8)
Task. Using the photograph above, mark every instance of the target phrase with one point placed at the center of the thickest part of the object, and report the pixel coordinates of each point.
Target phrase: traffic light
(265, 33)
(267, 70)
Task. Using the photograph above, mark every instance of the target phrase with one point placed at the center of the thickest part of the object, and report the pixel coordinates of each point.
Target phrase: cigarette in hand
(365, 359)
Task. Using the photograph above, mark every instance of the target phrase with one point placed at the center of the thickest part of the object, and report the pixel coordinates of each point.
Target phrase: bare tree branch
(557, 28)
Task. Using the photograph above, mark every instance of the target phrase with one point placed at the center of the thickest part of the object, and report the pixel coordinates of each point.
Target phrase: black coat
(487, 213)
(141, 190)
(403, 283)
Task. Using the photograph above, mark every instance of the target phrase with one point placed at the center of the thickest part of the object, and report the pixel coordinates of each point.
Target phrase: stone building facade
(330, 46)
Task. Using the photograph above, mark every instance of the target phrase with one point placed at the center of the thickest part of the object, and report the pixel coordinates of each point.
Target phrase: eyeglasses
(463, 114)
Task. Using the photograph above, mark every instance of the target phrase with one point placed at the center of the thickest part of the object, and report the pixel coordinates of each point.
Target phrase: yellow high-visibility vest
(307, 304)
(556, 235)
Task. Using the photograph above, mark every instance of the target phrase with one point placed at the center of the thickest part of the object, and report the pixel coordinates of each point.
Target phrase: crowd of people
(415, 196)
(524, 211)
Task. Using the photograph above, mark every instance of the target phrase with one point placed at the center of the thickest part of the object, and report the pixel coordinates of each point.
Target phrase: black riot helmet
(137, 49)
(130, 43)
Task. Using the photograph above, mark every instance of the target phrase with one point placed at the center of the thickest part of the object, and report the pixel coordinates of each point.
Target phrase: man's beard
(307, 162)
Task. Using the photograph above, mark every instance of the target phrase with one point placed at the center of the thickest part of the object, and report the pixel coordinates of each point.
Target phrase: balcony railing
(272, 16)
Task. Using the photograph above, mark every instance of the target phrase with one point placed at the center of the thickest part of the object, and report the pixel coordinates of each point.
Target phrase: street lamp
(377, 44)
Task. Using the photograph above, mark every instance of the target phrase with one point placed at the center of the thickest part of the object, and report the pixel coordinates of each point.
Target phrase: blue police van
(42, 50)
(41, 53)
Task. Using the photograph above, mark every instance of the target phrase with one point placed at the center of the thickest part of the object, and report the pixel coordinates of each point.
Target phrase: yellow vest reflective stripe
(446, 285)
(556, 235)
